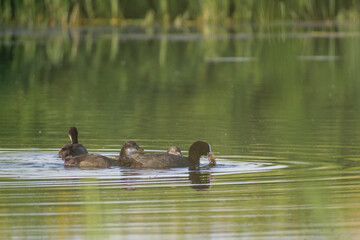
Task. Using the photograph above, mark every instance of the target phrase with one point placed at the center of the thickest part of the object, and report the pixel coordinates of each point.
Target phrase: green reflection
(295, 103)
(115, 89)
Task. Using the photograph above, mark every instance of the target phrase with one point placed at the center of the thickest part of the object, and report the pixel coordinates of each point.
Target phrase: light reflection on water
(44, 164)
(167, 203)
(38, 173)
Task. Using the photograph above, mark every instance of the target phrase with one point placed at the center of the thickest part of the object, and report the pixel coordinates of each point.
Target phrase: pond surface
(279, 106)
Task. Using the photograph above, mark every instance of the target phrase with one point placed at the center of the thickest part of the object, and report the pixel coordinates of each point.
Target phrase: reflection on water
(199, 179)
(39, 164)
(319, 58)
(280, 109)
(231, 59)
(236, 197)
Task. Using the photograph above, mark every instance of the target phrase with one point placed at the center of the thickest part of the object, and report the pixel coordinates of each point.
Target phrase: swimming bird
(88, 161)
(166, 160)
(174, 150)
(73, 149)
(99, 161)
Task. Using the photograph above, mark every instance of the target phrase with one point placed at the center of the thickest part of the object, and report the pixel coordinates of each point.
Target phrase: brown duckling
(73, 149)
(174, 150)
(99, 161)
(88, 161)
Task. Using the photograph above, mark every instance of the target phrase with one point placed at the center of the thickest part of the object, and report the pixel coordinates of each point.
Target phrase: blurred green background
(116, 86)
(178, 12)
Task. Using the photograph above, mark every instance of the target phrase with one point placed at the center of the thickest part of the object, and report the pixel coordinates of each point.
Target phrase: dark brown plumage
(166, 160)
(130, 158)
(73, 149)
(99, 161)
(88, 161)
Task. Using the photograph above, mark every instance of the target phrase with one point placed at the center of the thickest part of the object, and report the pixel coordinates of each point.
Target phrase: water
(280, 109)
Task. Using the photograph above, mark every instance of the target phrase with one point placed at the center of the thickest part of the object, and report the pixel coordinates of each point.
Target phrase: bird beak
(211, 158)
(140, 149)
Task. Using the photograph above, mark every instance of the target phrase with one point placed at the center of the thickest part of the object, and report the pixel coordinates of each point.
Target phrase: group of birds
(133, 156)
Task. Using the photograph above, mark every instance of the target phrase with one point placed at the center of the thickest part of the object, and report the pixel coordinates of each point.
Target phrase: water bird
(130, 157)
(174, 150)
(99, 161)
(73, 149)
(168, 160)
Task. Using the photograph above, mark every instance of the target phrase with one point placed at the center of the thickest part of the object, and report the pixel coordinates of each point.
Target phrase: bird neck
(194, 159)
(74, 139)
(123, 153)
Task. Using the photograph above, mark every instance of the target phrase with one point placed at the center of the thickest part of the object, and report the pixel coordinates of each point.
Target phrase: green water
(279, 107)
